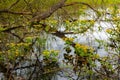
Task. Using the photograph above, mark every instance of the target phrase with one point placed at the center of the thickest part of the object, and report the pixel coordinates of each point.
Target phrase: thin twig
(15, 13)
(14, 4)
(21, 39)
(12, 28)
(83, 3)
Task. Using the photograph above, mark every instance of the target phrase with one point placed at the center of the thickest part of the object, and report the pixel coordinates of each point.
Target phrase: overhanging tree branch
(83, 3)
(15, 13)
(49, 12)
(12, 28)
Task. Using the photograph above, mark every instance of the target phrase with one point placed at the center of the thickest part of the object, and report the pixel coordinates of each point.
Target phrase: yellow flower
(117, 30)
(97, 56)
(29, 37)
(67, 21)
(46, 53)
(53, 21)
(12, 44)
(54, 52)
(115, 18)
(109, 30)
(68, 39)
(26, 44)
(91, 49)
(79, 20)
(20, 44)
(17, 53)
(77, 45)
(83, 47)
(104, 58)
(65, 39)
(92, 21)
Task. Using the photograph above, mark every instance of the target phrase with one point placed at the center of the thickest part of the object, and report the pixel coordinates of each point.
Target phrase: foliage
(25, 26)
(52, 54)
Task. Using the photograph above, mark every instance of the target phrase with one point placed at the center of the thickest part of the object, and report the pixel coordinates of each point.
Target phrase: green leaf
(47, 28)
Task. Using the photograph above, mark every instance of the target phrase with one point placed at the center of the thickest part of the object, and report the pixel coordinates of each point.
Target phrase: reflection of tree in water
(34, 71)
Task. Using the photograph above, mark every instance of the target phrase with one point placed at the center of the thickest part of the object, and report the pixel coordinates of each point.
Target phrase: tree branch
(21, 39)
(13, 4)
(74, 3)
(24, 67)
(12, 28)
(49, 12)
(15, 13)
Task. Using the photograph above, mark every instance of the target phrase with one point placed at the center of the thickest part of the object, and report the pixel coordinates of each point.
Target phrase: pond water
(88, 39)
